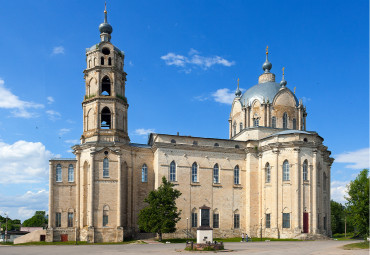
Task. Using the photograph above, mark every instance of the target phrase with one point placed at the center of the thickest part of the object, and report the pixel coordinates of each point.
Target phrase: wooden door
(305, 222)
(64, 237)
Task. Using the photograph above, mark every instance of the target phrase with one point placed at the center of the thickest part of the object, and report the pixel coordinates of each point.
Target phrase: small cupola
(266, 76)
(105, 28)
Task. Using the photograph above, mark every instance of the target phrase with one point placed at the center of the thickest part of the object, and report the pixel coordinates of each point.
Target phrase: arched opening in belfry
(105, 86)
(102, 61)
(105, 118)
(109, 61)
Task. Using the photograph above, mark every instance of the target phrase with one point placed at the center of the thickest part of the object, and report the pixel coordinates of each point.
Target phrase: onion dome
(105, 27)
(283, 82)
(267, 65)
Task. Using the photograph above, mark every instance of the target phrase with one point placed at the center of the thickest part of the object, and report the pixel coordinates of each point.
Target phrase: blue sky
(183, 59)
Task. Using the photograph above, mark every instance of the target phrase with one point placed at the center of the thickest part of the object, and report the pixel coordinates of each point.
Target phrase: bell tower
(105, 105)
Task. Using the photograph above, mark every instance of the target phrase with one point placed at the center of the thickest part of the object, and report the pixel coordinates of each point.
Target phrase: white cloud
(53, 115)
(224, 96)
(194, 59)
(50, 100)
(142, 131)
(338, 191)
(64, 131)
(19, 107)
(24, 162)
(71, 141)
(357, 159)
(24, 206)
(58, 50)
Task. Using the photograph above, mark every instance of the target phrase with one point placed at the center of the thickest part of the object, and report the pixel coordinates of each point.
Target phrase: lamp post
(187, 231)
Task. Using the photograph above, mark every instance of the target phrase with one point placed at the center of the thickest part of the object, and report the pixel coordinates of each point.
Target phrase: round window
(105, 51)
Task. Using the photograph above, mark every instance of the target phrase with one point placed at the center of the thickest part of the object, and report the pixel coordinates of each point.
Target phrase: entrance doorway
(64, 237)
(305, 222)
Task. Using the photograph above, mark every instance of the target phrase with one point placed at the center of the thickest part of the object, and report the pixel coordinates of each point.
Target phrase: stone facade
(270, 178)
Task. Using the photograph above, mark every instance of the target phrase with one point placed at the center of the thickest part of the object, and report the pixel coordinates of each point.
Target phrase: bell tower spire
(105, 105)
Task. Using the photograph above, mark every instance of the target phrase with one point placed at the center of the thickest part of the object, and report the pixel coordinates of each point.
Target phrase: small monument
(204, 231)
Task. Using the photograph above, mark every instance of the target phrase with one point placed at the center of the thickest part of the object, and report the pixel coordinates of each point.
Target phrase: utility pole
(6, 228)
(345, 225)
(187, 233)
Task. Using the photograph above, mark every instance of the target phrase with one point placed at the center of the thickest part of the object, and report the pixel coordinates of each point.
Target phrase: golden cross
(294, 89)
(267, 50)
(238, 82)
(283, 70)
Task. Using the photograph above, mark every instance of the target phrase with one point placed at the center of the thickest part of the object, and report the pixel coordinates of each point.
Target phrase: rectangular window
(318, 221)
(325, 222)
(236, 220)
(216, 220)
(273, 122)
(268, 220)
(194, 220)
(286, 220)
(70, 219)
(58, 219)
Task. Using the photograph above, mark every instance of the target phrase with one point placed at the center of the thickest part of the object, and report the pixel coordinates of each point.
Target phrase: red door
(64, 237)
(305, 222)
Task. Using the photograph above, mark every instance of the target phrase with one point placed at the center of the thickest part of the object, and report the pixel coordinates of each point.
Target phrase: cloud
(357, 159)
(19, 107)
(58, 50)
(142, 131)
(50, 100)
(24, 162)
(75, 141)
(194, 59)
(24, 206)
(224, 96)
(338, 191)
(64, 131)
(53, 115)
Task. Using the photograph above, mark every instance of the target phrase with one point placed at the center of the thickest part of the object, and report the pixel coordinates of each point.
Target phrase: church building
(270, 178)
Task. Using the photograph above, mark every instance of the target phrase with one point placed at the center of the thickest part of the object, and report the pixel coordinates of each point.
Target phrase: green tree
(161, 214)
(337, 217)
(358, 203)
(37, 220)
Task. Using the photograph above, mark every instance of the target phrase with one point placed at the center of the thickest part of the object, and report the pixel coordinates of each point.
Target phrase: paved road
(275, 248)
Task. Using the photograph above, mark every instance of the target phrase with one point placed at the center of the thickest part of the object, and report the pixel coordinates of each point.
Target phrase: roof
(291, 131)
(263, 92)
(139, 145)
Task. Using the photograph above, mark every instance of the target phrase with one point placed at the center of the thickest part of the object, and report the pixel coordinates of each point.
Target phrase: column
(248, 118)
(276, 188)
(314, 192)
(230, 129)
(260, 171)
(78, 188)
(297, 187)
(51, 195)
(91, 191)
(328, 200)
(268, 115)
(299, 118)
(119, 192)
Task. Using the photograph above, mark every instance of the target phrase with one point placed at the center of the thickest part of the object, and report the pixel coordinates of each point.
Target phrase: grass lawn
(341, 237)
(69, 243)
(226, 240)
(355, 246)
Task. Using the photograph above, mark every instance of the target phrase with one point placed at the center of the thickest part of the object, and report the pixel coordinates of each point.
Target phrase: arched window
(268, 173)
(216, 145)
(70, 173)
(144, 173)
(173, 141)
(236, 219)
(105, 118)
(256, 122)
(195, 143)
(90, 63)
(173, 171)
(106, 167)
(58, 174)
(194, 172)
(286, 171)
(305, 172)
(234, 128)
(216, 219)
(236, 174)
(285, 120)
(241, 126)
(109, 61)
(273, 122)
(294, 124)
(194, 218)
(105, 215)
(95, 62)
(237, 146)
(102, 61)
(216, 174)
(105, 86)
